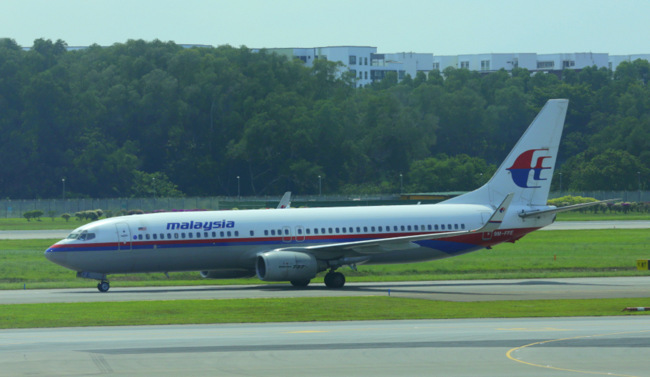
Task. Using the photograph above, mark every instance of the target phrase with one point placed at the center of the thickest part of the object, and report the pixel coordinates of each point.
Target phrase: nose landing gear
(104, 286)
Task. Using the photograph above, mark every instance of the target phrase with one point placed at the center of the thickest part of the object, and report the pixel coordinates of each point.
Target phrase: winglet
(285, 202)
(497, 217)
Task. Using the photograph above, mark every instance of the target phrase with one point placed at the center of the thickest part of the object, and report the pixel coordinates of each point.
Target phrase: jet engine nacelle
(227, 274)
(286, 266)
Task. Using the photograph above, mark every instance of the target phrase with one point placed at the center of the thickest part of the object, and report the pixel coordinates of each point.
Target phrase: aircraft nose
(55, 256)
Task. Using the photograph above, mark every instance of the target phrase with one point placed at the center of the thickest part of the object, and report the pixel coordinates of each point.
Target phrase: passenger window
(189, 235)
(330, 231)
(252, 233)
(462, 226)
(155, 236)
(380, 229)
(236, 233)
(409, 228)
(198, 234)
(351, 230)
(308, 231)
(395, 228)
(402, 228)
(176, 235)
(449, 226)
(169, 236)
(429, 227)
(273, 232)
(442, 226)
(266, 232)
(206, 235)
(322, 230)
(286, 232)
(337, 230)
(221, 234)
(358, 229)
(315, 230)
(183, 235)
(147, 236)
(140, 236)
(229, 234)
(415, 227)
(455, 226)
(365, 229)
(343, 230)
(372, 229)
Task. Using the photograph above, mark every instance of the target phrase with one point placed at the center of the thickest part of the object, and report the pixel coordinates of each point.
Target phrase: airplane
(295, 245)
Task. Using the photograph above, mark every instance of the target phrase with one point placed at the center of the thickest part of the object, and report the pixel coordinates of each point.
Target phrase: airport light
(238, 192)
(153, 184)
(320, 186)
(63, 192)
(401, 183)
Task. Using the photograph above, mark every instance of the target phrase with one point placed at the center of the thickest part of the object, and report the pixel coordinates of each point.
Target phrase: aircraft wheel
(300, 283)
(104, 286)
(334, 280)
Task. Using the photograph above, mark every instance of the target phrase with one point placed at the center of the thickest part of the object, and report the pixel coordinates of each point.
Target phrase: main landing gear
(334, 279)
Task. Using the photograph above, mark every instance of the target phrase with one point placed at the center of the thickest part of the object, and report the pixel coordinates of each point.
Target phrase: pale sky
(441, 27)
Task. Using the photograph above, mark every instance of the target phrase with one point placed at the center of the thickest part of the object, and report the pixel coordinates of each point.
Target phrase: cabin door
(123, 236)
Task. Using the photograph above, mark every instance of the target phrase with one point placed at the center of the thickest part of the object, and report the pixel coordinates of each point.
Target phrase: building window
(366, 75)
(546, 64)
(436, 66)
(485, 65)
(568, 63)
(353, 60)
(366, 61)
(464, 64)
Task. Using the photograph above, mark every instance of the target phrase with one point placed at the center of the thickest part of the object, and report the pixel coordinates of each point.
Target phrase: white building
(558, 62)
(367, 65)
(615, 60)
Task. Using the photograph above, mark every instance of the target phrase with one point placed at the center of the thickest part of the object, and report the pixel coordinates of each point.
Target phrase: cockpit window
(85, 236)
(73, 236)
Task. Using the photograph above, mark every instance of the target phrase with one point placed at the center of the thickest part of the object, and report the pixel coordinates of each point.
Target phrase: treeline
(155, 119)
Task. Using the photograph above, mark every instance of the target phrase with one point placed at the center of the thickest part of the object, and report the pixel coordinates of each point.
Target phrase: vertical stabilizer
(528, 170)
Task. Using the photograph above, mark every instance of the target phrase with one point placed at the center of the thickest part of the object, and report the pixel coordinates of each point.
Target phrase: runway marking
(532, 329)
(509, 354)
(306, 331)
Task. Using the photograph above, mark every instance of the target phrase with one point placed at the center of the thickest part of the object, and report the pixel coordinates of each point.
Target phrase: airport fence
(57, 207)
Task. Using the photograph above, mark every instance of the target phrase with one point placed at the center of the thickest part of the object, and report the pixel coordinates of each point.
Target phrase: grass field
(540, 254)
(295, 310)
(567, 253)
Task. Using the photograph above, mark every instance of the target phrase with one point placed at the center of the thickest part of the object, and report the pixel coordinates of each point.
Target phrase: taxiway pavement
(453, 290)
(533, 347)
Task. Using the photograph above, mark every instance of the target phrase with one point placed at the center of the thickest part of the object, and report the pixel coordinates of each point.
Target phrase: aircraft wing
(399, 243)
(525, 214)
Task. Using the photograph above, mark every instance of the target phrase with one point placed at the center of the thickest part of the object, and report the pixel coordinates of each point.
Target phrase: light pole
(560, 182)
(638, 174)
(153, 184)
(238, 192)
(63, 192)
(401, 183)
(320, 186)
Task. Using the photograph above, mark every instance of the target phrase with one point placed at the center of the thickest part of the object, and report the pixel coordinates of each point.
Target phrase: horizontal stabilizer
(525, 214)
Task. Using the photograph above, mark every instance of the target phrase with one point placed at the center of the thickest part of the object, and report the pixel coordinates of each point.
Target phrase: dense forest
(153, 118)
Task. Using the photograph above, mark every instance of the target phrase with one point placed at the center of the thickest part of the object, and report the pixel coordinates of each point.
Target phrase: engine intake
(286, 266)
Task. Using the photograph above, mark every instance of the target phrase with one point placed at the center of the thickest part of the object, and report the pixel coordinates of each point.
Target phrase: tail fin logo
(522, 166)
